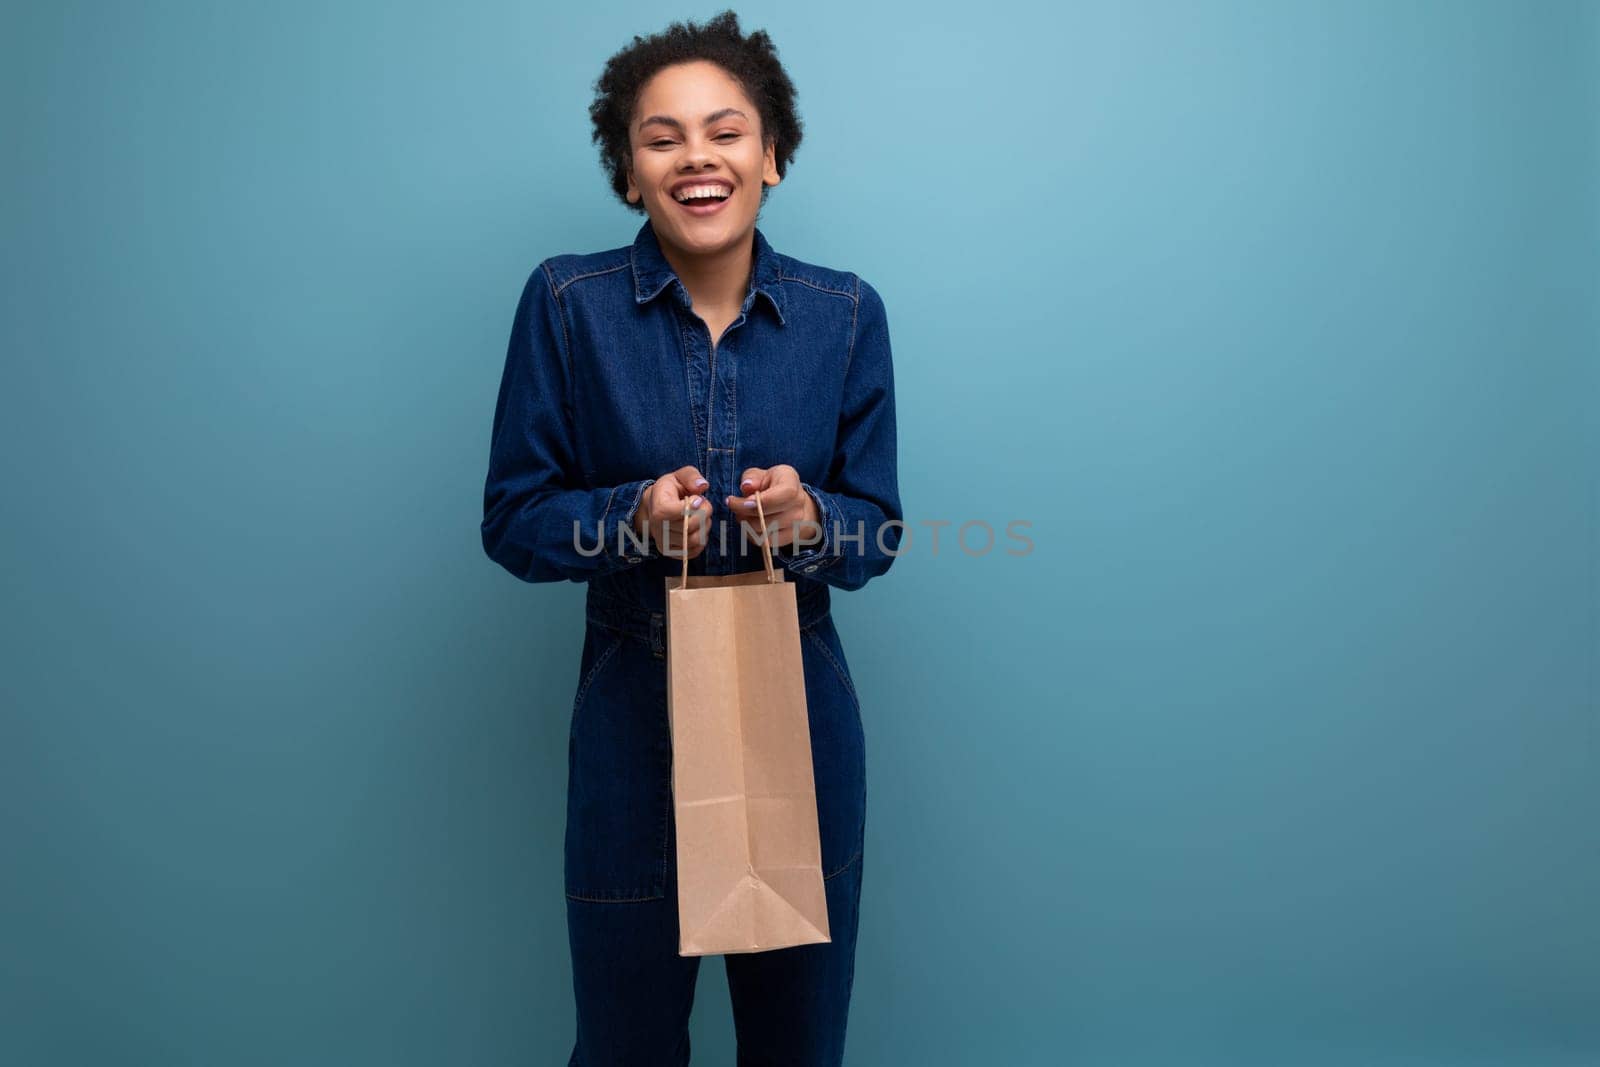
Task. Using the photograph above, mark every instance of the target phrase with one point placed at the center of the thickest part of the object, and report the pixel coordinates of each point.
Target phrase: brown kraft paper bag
(744, 798)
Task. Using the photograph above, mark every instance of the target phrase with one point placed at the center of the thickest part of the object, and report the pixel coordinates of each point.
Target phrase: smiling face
(693, 128)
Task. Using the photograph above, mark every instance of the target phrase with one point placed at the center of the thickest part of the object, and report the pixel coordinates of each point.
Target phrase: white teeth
(721, 192)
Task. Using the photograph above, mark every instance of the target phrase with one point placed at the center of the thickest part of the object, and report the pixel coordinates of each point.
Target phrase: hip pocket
(838, 747)
(619, 773)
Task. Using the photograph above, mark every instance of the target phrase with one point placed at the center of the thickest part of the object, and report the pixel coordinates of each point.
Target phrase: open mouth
(709, 201)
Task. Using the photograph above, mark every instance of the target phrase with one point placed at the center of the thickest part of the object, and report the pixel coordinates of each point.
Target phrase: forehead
(691, 91)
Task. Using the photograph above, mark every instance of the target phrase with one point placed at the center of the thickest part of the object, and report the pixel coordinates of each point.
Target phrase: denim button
(633, 559)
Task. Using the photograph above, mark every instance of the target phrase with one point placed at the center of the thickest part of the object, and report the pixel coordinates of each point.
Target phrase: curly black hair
(751, 60)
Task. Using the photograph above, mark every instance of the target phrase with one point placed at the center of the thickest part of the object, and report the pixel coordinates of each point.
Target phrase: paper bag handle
(766, 549)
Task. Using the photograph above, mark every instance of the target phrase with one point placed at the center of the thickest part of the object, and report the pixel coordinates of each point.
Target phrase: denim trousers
(634, 992)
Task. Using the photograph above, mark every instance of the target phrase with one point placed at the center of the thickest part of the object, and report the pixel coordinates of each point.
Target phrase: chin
(709, 235)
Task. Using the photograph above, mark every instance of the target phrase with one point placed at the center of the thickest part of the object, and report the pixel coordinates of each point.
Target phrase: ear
(633, 189)
(769, 165)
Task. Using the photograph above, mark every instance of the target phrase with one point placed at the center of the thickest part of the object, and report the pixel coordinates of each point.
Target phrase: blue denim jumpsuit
(610, 381)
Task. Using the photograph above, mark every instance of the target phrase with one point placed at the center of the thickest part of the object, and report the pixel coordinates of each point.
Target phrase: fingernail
(701, 484)
(747, 483)
(749, 503)
(695, 502)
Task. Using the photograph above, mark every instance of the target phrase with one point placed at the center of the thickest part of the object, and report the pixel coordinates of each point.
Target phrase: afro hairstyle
(750, 60)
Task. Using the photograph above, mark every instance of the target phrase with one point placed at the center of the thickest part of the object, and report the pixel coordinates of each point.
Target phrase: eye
(665, 142)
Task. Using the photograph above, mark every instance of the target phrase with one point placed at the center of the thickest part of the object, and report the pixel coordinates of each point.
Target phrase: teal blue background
(1278, 321)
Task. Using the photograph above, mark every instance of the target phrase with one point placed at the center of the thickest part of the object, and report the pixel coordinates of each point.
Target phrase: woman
(680, 376)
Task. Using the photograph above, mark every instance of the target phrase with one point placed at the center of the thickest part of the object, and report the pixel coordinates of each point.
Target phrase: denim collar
(652, 273)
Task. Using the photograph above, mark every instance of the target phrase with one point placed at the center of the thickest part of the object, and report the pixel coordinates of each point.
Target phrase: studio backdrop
(1233, 701)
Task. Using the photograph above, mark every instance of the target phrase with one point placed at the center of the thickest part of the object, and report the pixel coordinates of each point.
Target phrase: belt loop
(657, 645)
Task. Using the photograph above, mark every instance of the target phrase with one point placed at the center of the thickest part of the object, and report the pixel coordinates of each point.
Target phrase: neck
(714, 279)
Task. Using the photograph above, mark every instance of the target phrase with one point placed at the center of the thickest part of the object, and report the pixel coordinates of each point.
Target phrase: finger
(752, 522)
(695, 512)
(673, 535)
(753, 480)
(663, 498)
(690, 480)
(699, 525)
(788, 515)
(667, 508)
(775, 499)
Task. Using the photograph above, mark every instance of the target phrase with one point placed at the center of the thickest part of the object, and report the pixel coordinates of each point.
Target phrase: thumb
(754, 480)
(689, 480)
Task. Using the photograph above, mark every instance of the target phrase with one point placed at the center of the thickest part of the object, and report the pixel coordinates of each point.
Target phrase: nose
(697, 153)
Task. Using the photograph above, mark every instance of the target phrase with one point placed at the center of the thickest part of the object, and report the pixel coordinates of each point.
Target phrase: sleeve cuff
(811, 558)
(623, 544)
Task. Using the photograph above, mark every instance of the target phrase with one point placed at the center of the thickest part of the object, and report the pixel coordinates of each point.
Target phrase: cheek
(646, 170)
(756, 164)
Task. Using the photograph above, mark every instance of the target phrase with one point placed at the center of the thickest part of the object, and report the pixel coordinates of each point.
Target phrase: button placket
(716, 408)
(719, 453)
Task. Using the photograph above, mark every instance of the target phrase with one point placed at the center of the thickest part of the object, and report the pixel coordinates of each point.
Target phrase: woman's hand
(660, 516)
(783, 503)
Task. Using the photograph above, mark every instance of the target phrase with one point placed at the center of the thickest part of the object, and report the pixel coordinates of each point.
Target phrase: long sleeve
(859, 500)
(539, 523)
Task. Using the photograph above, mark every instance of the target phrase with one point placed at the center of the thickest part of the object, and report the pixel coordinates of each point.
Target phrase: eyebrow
(668, 120)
